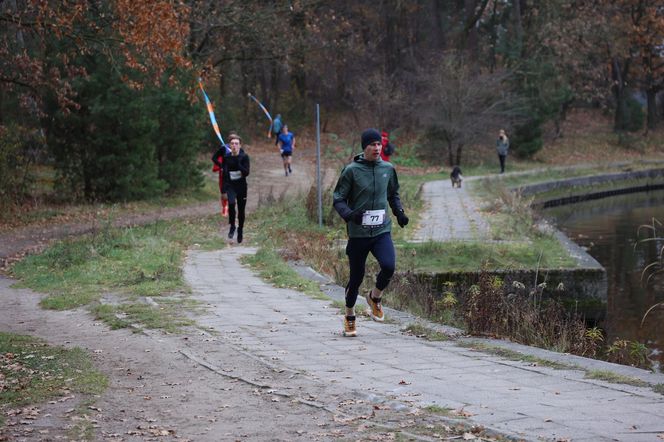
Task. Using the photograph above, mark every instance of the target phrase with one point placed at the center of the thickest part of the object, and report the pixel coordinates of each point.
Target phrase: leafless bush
(411, 292)
(330, 216)
(652, 272)
(521, 314)
(464, 107)
(383, 99)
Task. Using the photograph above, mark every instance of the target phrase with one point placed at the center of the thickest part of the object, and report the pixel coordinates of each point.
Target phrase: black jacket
(231, 166)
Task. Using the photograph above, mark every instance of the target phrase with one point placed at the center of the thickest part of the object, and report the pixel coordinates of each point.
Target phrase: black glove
(402, 219)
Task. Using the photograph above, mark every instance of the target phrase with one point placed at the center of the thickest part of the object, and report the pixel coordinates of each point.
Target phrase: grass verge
(427, 333)
(272, 268)
(602, 375)
(33, 372)
(614, 378)
(516, 356)
(132, 265)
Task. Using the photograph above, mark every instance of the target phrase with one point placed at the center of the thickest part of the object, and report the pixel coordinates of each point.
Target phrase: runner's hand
(402, 219)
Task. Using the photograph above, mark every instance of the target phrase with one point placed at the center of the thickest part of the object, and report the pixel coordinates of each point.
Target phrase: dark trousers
(382, 248)
(237, 193)
(502, 162)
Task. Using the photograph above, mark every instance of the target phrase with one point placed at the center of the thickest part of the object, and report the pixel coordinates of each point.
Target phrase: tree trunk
(619, 76)
(245, 86)
(518, 27)
(262, 78)
(450, 154)
(275, 86)
(391, 48)
(458, 155)
(493, 37)
(222, 82)
(651, 94)
(471, 32)
(560, 117)
(438, 25)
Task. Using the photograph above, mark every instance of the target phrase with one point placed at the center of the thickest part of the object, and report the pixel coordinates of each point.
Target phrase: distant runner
(276, 128)
(235, 171)
(287, 144)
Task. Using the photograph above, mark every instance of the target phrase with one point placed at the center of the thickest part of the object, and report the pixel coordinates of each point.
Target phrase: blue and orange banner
(213, 120)
(267, 114)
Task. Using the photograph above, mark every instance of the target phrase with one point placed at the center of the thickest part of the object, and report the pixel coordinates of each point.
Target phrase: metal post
(320, 189)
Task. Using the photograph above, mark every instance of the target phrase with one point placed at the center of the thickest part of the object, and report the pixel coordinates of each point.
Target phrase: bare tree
(381, 99)
(463, 107)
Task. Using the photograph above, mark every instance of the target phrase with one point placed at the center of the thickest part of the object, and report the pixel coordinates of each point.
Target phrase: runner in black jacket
(235, 171)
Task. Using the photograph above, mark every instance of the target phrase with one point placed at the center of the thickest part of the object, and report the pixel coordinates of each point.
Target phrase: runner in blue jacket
(287, 140)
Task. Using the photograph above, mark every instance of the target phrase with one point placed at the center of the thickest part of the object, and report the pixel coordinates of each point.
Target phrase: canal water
(609, 231)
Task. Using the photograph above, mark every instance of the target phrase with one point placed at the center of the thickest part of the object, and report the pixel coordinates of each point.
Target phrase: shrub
(330, 216)
(527, 138)
(124, 143)
(524, 316)
(633, 115)
(625, 352)
(15, 159)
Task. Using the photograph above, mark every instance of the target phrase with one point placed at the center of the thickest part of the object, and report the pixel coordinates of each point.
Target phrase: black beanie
(369, 136)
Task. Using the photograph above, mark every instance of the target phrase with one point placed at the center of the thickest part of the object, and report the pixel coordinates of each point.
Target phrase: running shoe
(289, 169)
(375, 308)
(231, 232)
(349, 327)
(239, 235)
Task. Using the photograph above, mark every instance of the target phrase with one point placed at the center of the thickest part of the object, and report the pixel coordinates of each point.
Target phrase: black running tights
(382, 248)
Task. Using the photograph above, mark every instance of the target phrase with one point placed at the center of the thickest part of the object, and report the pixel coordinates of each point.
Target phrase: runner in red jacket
(218, 160)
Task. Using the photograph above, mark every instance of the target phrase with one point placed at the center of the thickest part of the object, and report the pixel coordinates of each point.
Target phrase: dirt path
(160, 388)
(266, 180)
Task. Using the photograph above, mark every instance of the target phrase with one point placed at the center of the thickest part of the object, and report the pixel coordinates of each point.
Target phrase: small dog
(456, 177)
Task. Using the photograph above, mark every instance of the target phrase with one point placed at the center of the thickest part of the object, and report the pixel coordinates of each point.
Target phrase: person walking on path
(276, 128)
(361, 197)
(502, 146)
(287, 140)
(235, 171)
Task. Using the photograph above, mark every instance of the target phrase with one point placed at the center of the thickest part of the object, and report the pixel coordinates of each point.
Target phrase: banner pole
(320, 190)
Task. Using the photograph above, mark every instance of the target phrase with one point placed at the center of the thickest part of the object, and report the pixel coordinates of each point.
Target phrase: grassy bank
(125, 276)
(33, 372)
(45, 206)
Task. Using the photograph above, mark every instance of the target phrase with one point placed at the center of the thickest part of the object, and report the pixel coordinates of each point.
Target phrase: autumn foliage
(388, 64)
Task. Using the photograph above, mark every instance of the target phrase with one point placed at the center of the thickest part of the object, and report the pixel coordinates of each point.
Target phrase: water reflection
(607, 228)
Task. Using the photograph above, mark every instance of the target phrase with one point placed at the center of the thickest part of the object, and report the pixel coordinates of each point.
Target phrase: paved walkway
(450, 214)
(287, 329)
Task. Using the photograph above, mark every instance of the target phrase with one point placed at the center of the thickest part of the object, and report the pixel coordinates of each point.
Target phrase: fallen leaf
(463, 413)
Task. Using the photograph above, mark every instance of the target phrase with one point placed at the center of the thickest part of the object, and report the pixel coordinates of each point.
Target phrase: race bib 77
(371, 218)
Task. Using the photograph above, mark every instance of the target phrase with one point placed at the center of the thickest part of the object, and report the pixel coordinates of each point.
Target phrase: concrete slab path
(450, 214)
(287, 329)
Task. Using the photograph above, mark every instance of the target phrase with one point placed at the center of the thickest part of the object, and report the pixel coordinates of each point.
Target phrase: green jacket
(367, 185)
